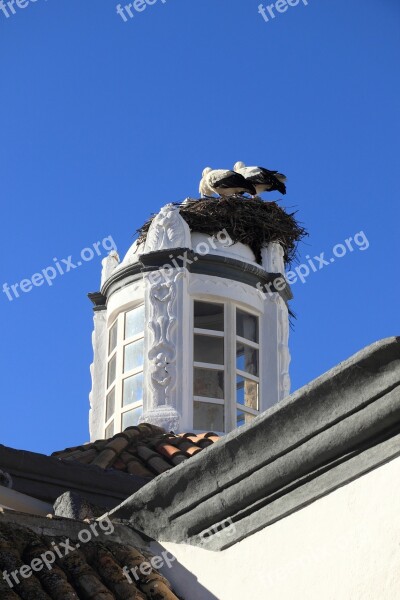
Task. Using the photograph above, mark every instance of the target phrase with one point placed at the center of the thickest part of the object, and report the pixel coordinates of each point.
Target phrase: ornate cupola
(191, 327)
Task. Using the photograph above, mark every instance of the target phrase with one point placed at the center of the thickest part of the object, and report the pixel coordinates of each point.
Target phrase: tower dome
(191, 326)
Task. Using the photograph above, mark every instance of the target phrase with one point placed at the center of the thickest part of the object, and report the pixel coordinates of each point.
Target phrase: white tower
(185, 334)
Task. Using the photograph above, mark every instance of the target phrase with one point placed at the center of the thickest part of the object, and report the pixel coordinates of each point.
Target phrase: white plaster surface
(132, 256)
(109, 264)
(239, 251)
(272, 257)
(345, 546)
(98, 373)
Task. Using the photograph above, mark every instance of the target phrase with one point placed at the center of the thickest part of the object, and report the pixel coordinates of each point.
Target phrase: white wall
(345, 546)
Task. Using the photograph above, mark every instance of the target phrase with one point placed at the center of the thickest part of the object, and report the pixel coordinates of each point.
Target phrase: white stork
(262, 179)
(224, 183)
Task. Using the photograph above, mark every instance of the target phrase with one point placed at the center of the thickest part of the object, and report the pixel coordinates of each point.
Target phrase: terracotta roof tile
(153, 459)
(188, 447)
(134, 465)
(144, 451)
(95, 571)
(174, 454)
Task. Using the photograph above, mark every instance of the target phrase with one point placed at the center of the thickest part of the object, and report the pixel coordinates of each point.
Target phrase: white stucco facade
(344, 546)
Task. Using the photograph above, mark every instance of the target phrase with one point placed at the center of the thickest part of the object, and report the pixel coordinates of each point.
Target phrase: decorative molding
(212, 265)
(202, 283)
(99, 301)
(162, 353)
(166, 417)
(168, 230)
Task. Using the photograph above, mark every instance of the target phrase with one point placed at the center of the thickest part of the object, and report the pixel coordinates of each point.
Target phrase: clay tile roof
(95, 571)
(145, 450)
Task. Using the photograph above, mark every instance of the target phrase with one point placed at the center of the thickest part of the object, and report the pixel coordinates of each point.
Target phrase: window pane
(133, 356)
(244, 418)
(246, 359)
(209, 316)
(110, 430)
(112, 368)
(208, 383)
(246, 325)
(133, 389)
(110, 404)
(113, 337)
(131, 418)
(247, 392)
(208, 417)
(134, 322)
(209, 349)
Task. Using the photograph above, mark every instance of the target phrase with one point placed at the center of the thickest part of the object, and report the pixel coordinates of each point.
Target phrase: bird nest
(250, 221)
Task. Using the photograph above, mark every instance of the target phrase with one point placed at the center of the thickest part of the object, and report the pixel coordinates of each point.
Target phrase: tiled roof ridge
(144, 450)
(142, 431)
(95, 570)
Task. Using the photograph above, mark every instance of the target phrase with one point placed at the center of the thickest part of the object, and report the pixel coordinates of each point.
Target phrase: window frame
(231, 406)
(118, 383)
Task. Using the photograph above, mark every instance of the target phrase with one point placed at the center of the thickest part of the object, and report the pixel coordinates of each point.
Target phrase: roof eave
(330, 432)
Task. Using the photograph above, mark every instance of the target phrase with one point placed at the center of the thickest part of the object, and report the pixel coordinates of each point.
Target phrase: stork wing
(272, 179)
(229, 179)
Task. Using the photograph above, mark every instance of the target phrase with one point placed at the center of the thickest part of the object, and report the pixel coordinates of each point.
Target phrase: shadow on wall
(185, 584)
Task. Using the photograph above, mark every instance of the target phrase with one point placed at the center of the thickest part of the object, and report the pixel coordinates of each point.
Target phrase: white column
(167, 338)
(98, 373)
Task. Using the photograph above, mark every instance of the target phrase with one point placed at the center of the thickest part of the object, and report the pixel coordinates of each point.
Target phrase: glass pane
(208, 417)
(244, 418)
(113, 337)
(209, 316)
(133, 389)
(247, 392)
(131, 418)
(112, 369)
(110, 430)
(209, 349)
(133, 356)
(246, 359)
(134, 322)
(246, 325)
(110, 404)
(208, 383)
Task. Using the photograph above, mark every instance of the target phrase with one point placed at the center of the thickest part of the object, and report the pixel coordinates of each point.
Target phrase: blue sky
(104, 121)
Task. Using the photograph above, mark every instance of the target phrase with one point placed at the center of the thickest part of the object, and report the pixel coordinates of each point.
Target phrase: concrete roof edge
(353, 407)
(47, 477)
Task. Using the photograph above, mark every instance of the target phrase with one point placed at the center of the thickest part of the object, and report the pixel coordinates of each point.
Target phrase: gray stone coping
(47, 478)
(210, 264)
(59, 527)
(330, 432)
